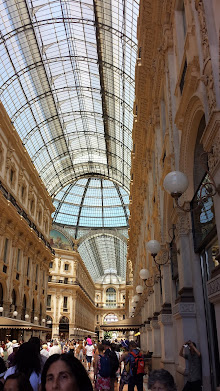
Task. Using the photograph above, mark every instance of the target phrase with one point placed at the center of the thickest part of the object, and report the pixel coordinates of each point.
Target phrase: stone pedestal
(149, 336)
(167, 347)
(156, 340)
(184, 314)
(213, 287)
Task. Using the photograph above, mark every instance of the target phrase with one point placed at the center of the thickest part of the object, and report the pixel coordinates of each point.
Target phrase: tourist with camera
(193, 356)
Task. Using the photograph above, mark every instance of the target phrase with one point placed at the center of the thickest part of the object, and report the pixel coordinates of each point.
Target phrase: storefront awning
(125, 324)
(9, 323)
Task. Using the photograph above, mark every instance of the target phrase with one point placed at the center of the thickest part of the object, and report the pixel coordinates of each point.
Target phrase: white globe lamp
(15, 313)
(139, 289)
(136, 298)
(26, 316)
(144, 274)
(153, 247)
(175, 183)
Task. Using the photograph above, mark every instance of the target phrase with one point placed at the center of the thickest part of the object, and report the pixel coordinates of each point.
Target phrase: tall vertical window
(18, 259)
(183, 12)
(5, 251)
(110, 297)
(36, 275)
(49, 301)
(28, 266)
(65, 301)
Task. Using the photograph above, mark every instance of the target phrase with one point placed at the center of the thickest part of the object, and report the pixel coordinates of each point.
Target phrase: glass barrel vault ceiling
(67, 83)
(92, 202)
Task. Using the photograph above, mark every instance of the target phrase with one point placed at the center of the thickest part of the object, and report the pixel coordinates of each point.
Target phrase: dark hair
(2, 365)
(162, 376)
(27, 359)
(35, 341)
(77, 369)
(22, 381)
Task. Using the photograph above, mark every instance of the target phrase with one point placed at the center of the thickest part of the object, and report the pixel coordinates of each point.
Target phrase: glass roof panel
(97, 203)
(67, 83)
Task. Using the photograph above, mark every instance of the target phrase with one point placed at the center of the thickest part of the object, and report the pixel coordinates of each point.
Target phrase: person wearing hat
(11, 357)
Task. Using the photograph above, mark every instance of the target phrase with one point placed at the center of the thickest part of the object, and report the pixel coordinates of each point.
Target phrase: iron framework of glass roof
(67, 83)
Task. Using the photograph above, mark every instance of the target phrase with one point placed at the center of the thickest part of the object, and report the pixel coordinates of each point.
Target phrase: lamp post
(1, 310)
(15, 313)
(26, 316)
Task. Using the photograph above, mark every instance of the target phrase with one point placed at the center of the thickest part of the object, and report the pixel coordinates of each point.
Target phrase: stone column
(165, 321)
(213, 287)
(149, 335)
(55, 330)
(184, 314)
(156, 341)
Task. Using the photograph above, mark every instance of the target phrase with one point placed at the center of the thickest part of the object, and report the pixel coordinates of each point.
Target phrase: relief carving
(207, 77)
(9, 154)
(1, 154)
(214, 156)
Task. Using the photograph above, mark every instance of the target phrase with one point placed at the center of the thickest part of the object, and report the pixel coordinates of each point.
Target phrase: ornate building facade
(25, 223)
(76, 305)
(176, 128)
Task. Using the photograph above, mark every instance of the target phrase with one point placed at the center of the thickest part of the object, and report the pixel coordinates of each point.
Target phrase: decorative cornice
(213, 288)
(184, 310)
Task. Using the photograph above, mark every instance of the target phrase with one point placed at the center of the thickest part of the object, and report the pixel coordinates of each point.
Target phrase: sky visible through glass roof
(67, 83)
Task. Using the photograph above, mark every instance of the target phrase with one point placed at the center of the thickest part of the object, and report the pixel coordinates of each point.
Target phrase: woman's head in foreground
(161, 380)
(66, 372)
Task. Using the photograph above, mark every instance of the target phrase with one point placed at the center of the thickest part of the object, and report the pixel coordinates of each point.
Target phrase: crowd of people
(66, 366)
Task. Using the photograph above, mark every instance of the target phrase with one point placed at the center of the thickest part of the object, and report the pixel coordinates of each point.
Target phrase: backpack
(138, 364)
(104, 366)
(114, 363)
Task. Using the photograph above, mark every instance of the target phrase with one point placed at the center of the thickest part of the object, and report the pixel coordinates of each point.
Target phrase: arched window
(110, 297)
(64, 327)
(110, 318)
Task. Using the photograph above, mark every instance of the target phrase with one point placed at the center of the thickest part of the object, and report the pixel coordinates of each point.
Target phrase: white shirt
(55, 349)
(44, 353)
(89, 350)
(34, 379)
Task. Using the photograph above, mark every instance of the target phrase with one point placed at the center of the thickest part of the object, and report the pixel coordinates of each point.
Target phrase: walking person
(114, 363)
(136, 370)
(89, 349)
(193, 356)
(101, 370)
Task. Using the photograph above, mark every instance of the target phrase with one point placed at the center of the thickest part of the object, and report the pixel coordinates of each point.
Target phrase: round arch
(193, 116)
(64, 327)
(110, 317)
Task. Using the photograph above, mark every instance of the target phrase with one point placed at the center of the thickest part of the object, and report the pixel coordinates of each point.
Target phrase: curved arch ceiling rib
(67, 83)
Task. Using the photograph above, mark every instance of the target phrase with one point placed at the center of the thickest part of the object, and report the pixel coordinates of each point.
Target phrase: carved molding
(213, 287)
(184, 310)
(165, 319)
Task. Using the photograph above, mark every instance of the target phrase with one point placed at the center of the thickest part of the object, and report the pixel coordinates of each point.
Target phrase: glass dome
(92, 202)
